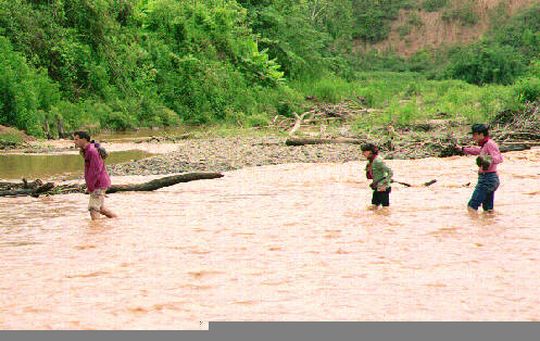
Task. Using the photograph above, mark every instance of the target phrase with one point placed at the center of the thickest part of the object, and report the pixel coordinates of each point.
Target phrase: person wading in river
(95, 174)
(488, 158)
(381, 175)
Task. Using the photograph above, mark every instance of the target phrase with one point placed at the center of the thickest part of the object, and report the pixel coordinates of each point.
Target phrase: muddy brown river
(18, 166)
(291, 242)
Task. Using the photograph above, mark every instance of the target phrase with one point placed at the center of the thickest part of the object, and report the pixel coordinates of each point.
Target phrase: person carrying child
(380, 173)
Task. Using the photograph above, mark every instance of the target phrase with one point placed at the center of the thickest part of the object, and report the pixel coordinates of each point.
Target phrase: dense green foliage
(434, 5)
(373, 17)
(119, 64)
(26, 94)
(484, 64)
(505, 54)
(462, 12)
(10, 139)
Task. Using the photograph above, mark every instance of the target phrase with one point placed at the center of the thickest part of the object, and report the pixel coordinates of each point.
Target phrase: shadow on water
(14, 166)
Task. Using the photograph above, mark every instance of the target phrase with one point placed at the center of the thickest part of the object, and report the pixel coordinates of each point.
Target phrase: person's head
(81, 138)
(369, 150)
(479, 131)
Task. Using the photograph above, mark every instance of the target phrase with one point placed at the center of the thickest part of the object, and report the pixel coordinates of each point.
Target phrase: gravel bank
(224, 154)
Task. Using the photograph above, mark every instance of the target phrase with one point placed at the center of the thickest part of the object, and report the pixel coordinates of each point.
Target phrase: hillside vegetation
(121, 64)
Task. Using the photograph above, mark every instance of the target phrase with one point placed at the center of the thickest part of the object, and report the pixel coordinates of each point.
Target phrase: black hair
(83, 135)
(371, 147)
(480, 128)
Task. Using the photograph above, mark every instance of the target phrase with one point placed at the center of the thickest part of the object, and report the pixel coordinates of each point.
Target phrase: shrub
(528, 89)
(463, 12)
(10, 138)
(434, 5)
(482, 64)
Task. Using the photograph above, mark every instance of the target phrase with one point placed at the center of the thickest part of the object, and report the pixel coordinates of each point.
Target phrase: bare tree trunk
(514, 147)
(60, 126)
(47, 129)
(163, 182)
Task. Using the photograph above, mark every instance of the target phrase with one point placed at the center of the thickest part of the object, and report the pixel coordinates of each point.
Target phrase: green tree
(483, 64)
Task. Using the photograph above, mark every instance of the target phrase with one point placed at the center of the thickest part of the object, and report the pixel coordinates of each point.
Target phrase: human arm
(471, 150)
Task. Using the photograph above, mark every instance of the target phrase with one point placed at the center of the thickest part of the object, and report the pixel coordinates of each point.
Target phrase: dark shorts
(381, 198)
(484, 192)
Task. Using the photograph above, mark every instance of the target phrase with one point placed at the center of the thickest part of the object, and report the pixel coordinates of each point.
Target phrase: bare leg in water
(105, 211)
(108, 213)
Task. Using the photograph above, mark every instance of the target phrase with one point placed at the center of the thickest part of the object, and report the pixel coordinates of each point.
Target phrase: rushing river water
(289, 242)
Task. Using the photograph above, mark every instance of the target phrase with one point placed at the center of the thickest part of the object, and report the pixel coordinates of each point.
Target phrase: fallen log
(15, 192)
(521, 142)
(163, 182)
(50, 189)
(35, 192)
(33, 184)
(42, 189)
(301, 142)
(24, 184)
(514, 147)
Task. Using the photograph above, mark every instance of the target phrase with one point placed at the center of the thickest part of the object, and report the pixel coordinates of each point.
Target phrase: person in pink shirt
(95, 175)
(488, 158)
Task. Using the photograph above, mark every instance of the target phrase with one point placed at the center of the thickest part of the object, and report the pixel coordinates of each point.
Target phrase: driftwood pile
(38, 187)
(34, 188)
(513, 131)
(522, 127)
(321, 116)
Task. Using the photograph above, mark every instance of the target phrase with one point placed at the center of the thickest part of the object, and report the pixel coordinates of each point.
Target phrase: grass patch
(10, 138)
(405, 98)
(434, 5)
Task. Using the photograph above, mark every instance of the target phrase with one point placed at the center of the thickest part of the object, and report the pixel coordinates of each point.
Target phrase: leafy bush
(10, 138)
(522, 32)
(24, 91)
(413, 20)
(482, 64)
(434, 5)
(373, 18)
(463, 12)
(528, 89)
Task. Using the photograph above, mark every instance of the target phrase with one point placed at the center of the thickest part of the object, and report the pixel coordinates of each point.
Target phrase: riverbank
(229, 153)
(219, 150)
(431, 139)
